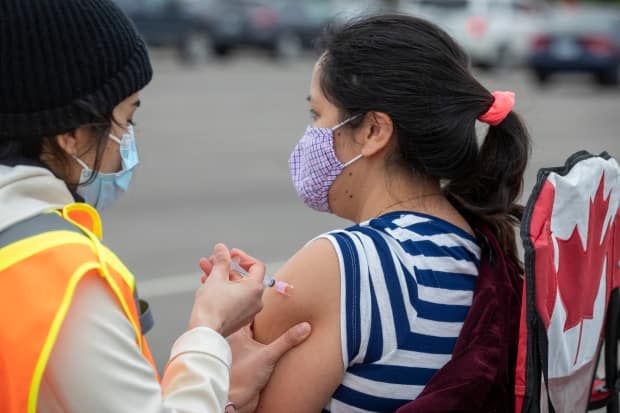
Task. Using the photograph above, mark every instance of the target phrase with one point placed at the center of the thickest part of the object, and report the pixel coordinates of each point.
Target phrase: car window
(500, 6)
(278, 4)
(447, 5)
(153, 6)
(528, 7)
(345, 10)
(317, 10)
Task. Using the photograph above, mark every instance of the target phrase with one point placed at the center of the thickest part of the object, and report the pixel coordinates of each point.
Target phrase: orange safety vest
(38, 278)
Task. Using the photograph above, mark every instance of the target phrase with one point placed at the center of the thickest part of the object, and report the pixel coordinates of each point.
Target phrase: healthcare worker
(71, 325)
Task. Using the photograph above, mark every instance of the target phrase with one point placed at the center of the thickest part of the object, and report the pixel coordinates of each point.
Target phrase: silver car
(494, 33)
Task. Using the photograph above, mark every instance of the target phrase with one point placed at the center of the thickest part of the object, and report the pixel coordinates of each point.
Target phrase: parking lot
(214, 142)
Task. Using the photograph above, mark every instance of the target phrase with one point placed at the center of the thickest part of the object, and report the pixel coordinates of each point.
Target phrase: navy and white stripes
(407, 282)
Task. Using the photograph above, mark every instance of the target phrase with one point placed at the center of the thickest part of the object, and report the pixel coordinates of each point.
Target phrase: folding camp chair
(570, 305)
(571, 238)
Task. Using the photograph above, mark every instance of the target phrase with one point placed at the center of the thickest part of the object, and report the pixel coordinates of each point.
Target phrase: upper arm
(307, 376)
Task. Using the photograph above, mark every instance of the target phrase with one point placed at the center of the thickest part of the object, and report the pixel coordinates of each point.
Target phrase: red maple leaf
(578, 275)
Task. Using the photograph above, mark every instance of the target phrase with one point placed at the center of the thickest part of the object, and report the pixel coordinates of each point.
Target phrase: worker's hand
(243, 259)
(253, 363)
(226, 304)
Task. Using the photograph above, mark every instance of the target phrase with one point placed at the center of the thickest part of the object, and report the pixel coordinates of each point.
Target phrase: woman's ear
(68, 143)
(378, 128)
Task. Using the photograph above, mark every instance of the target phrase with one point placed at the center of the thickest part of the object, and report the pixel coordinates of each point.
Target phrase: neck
(381, 193)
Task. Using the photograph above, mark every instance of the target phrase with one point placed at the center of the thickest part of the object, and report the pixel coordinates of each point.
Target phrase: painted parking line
(181, 283)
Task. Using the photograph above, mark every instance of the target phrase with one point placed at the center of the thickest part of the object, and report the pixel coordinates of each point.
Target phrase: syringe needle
(281, 287)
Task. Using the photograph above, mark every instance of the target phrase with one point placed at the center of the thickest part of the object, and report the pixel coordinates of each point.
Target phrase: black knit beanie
(54, 53)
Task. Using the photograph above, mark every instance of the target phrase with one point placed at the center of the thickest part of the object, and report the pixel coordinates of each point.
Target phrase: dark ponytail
(414, 72)
(488, 195)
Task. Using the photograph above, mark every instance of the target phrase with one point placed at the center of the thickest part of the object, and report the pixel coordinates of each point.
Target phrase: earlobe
(379, 133)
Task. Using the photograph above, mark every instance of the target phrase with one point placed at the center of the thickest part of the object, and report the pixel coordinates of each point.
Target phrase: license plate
(565, 50)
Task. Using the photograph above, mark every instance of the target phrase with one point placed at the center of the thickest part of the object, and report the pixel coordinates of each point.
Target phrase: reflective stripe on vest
(33, 305)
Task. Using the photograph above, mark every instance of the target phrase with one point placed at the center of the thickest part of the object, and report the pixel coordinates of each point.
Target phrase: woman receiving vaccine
(71, 326)
(393, 148)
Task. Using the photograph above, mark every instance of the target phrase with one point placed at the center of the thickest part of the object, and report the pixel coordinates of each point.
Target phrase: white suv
(493, 32)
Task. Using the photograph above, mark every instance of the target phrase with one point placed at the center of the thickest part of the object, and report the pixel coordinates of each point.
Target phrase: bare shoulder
(314, 272)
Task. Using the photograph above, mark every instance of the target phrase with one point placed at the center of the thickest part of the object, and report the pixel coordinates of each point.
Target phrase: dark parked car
(284, 27)
(287, 27)
(580, 40)
(195, 28)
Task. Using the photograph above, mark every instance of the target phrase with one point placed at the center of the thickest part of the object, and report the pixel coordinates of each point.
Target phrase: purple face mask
(314, 165)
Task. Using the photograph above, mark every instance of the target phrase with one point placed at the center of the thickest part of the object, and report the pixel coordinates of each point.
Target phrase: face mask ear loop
(119, 140)
(114, 138)
(352, 118)
(352, 160)
(344, 122)
(81, 162)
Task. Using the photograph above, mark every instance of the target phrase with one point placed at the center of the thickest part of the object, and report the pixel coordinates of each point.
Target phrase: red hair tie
(502, 105)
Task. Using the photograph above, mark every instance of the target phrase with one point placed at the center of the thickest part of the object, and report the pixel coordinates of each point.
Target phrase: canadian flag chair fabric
(571, 239)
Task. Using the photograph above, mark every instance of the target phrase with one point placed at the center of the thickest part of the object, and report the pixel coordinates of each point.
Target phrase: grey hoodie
(26, 191)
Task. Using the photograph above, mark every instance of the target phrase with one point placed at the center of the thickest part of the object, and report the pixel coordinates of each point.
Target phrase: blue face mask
(104, 188)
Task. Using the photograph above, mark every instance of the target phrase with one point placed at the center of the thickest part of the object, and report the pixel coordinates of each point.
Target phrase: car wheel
(609, 77)
(196, 48)
(222, 50)
(288, 46)
(542, 77)
(484, 66)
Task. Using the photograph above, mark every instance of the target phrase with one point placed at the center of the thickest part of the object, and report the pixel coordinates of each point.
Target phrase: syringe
(281, 287)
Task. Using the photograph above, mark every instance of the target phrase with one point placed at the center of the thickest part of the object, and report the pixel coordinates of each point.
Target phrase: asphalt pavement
(214, 142)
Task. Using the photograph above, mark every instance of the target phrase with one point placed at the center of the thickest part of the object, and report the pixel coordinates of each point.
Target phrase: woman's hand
(253, 363)
(226, 304)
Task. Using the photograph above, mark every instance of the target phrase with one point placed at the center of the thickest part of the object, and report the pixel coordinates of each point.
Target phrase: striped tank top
(407, 282)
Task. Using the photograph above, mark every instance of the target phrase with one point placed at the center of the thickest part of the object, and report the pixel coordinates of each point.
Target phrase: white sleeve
(96, 365)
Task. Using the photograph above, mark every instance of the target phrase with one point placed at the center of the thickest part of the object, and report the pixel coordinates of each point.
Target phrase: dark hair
(414, 72)
(34, 147)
